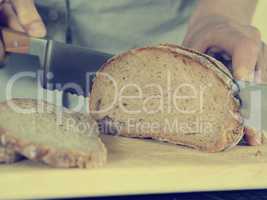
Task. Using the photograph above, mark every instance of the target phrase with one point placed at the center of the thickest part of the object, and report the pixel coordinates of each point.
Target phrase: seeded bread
(8, 156)
(171, 94)
(44, 132)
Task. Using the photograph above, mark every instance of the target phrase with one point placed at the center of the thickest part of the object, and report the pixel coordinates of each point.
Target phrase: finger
(29, 17)
(243, 50)
(261, 67)
(217, 39)
(1, 4)
(2, 53)
(253, 137)
(11, 19)
(244, 59)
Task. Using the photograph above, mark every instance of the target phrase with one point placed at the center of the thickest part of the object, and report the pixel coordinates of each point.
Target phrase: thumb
(29, 17)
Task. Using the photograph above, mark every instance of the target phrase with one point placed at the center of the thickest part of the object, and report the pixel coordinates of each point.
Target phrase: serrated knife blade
(70, 68)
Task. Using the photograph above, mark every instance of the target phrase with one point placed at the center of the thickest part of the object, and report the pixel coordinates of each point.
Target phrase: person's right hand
(20, 15)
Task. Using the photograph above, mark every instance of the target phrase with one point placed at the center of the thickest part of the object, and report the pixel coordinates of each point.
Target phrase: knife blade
(253, 95)
(64, 67)
(254, 104)
(73, 68)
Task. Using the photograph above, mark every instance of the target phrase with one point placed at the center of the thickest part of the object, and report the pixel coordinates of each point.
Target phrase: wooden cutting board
(140, 167)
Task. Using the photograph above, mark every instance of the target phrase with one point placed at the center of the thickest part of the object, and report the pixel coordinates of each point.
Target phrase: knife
(64, 67)
(253, 95)
(75, 66)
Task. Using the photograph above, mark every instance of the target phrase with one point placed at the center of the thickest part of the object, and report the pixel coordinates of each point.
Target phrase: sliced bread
(171, 94)
(44, 132)
(8, 156)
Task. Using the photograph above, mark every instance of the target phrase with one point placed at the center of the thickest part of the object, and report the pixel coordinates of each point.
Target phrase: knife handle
(14, 41)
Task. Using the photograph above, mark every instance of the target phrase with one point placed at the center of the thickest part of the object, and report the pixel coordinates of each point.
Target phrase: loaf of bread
(171, 94)
(8, 156)
(44, 132)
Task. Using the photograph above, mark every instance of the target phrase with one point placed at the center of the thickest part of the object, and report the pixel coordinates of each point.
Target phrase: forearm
(240, 11)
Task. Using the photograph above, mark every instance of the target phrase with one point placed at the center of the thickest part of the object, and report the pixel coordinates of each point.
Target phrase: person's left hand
(241, 42)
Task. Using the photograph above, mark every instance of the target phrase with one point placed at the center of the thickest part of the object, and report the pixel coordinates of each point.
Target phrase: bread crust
(227, 140)
(230, 136)
(51, 156)
(8, 156)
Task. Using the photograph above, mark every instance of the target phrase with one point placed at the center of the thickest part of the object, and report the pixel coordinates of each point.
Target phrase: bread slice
(8, 156)
(171, 94)
(44, 132)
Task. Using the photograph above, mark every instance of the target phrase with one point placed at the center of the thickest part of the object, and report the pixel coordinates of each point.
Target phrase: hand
(242, 43)
(20, 15)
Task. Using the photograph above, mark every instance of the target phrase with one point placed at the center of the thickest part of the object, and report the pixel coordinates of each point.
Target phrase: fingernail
(37, 30)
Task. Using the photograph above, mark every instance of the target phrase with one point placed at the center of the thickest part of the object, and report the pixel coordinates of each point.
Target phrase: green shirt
(117, 25)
